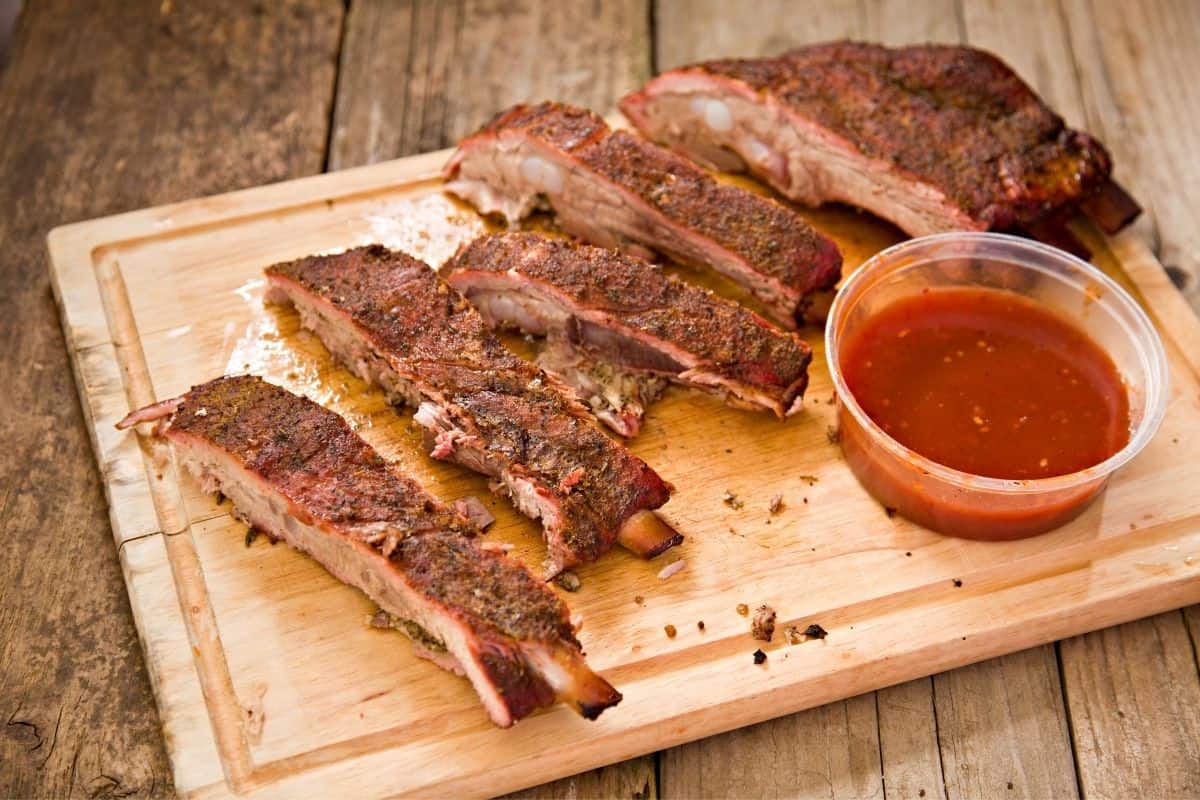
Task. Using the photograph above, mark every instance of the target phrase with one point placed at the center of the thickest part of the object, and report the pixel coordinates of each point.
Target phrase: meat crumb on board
(760, 657)
(776, 504)
(700, 625)
(730, 499)
(793, 635)
(762, 627)
(743, 609)
(670, 630)
(569, 581)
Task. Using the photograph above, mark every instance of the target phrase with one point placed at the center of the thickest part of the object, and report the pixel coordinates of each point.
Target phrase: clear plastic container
(972, 506)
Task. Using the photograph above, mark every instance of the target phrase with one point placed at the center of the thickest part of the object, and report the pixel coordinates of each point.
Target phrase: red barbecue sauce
(988, 382)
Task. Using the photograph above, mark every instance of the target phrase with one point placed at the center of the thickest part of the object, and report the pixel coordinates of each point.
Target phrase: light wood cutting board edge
(201, 718)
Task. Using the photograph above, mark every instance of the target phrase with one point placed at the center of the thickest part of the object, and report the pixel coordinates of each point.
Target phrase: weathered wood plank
(1032, 38)
(107, 109)
(688, 30)
(828, 752)
(417, 76)
(696, 30)
(1191, 616)
(1137, 66)
(1134, 697)
(908, 741)
(1003, 730)
(630, 780)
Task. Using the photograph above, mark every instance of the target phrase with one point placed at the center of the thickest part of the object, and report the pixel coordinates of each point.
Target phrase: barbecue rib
(390, 319)
(628, 313)
(298, 472)
(615, 189)
(930, 137)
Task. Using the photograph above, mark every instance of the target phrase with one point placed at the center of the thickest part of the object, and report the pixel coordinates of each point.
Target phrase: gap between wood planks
(333, 90)
(1062, 679)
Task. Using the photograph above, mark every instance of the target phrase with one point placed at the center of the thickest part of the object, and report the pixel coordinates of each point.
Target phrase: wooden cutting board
(269, 680)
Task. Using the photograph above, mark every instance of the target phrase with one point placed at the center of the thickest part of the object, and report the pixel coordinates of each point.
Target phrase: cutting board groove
(270, 683)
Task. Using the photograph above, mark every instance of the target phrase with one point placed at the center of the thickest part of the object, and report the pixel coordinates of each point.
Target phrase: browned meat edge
(298, 472)
(615, 189)
(631, 314)
(390, 319)
(945, 134)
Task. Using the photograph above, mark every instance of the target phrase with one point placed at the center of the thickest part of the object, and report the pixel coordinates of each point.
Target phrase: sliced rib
(615, 189)
(931, 137)
(628, 313)
(391, 320)
(298, 472)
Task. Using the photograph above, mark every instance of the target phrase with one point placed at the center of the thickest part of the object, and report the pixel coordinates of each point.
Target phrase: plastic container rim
(1147, 344)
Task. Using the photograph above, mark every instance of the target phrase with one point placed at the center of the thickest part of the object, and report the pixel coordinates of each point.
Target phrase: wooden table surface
(108, 107)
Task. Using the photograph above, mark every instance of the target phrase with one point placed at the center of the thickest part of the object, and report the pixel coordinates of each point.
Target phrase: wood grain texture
(105, 109)
(1002, 728)
(417, 76)
(1135, 66)
(1134, 698)
(634, 779)
(696, 30)
(1191, 616)
(830, 753)
(908, 741)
